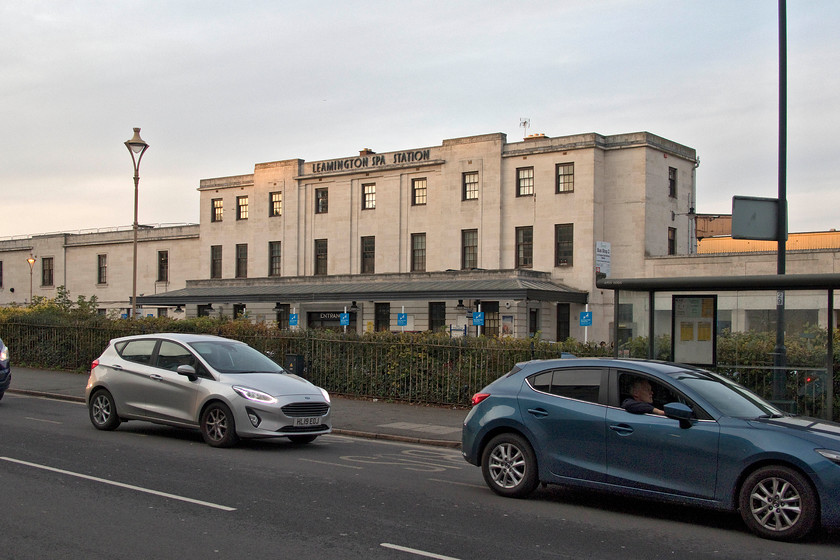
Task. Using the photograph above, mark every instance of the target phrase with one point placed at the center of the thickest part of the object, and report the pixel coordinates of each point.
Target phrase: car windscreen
(727, 396)
(232, 357)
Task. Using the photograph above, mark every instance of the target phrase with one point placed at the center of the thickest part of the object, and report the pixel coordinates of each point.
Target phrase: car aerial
(716, 444)
(223, 387)
(5, 369)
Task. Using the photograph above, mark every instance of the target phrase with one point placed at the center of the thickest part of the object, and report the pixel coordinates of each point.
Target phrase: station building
(413, 240)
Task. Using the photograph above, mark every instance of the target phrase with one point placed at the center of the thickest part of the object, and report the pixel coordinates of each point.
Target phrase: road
(68, 491)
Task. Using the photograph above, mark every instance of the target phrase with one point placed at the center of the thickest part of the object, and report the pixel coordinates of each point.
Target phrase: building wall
(75, 258)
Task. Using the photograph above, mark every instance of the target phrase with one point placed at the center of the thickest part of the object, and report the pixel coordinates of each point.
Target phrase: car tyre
(778, 503)
(103, 411)
(218, 427)
(1, 395)
(509, 466)
(302, 439)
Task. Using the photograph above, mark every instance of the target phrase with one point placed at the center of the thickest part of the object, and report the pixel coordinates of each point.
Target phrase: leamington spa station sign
(373, 160)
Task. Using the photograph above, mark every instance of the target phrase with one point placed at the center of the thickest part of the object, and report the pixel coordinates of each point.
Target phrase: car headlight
(326, 395)
(4, 354)
(831, 455)
(254, 395)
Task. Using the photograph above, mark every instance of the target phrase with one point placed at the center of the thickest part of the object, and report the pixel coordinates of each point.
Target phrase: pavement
(370, 418)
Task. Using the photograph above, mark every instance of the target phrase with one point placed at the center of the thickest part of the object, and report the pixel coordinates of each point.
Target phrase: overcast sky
(217, 86)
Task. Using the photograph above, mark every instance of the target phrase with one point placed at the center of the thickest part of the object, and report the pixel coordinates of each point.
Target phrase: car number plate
(308, 421)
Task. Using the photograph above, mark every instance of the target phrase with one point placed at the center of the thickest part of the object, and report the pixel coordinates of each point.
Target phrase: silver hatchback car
(223, 387)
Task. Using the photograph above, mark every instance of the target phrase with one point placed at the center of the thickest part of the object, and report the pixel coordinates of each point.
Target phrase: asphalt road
(68, 491)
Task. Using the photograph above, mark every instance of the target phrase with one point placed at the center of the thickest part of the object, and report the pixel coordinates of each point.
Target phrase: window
(672, 182)
(216, 261)
(491, 318)
(418, 252)
(369, 196)
(282, 310)
(216, 210)
(470, 182)
(47, 271)
(418, 192)
(138, 351)
(382, 316)
(238, 310)
(274, 255)
(437, 315)
(171, 355)
(564, 315)
(469, 249)
(533, 322)
(564, 242)
(242, 260)
(163, 266)
(321, 199)
(101, 269)
(368, 255)
(525, 181)
(241, 207)
(565, 177)
(579, 384)
(275, 204)
(525, 247)
(320, 257)
(672, 241)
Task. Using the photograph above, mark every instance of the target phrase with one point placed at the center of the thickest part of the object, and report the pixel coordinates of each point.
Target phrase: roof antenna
(524, 122)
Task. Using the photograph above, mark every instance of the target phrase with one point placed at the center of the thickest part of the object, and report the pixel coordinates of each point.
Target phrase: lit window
(275, 204)
(470, 191)
(525, 181)
(241, 207)
(565, 177)
(369, 196)
(418, 192)
(216, 210)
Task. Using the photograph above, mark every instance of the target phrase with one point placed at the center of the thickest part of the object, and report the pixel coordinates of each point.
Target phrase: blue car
(5, 369)
(656, 430)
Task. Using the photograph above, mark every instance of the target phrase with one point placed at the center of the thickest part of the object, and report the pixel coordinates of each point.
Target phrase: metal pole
(134, 268)
(829, 366)
(780, 352)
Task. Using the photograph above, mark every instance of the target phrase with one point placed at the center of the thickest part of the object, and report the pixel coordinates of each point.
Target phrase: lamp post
(136, 147)
(31, 261)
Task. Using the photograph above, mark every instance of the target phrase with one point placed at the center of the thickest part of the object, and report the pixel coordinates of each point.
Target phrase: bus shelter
(728, 324)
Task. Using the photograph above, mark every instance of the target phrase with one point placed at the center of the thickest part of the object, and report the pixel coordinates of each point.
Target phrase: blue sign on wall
(293, 319)
(345, 319)
(585, 318)
(402, 319)
(478, 318)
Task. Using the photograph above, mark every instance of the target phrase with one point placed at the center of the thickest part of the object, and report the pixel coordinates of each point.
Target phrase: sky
(218, 86)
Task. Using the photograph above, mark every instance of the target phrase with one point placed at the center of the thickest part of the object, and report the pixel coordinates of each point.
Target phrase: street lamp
(31, 261)
(136, 147)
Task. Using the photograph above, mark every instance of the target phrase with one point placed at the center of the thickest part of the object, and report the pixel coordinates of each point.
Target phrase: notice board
(693, 329)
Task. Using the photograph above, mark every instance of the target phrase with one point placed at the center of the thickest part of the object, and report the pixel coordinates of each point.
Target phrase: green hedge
(417, 367)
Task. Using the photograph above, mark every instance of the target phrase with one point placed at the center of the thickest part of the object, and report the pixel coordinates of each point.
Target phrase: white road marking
(42, 420)
(119, 484)
(468, 485)
(331, 464)
(417, 552)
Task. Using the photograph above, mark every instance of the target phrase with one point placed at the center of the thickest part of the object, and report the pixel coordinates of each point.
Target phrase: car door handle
(155, 377)
(117, 366)
(538, 412)
(622, 429)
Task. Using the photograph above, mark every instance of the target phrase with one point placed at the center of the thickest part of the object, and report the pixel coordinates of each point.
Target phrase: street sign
(402, 319)
(585, 318)
(478, 318)
(344, 319)
(293, 319)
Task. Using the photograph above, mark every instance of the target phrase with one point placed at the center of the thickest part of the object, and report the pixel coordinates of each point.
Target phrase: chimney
(366, 152)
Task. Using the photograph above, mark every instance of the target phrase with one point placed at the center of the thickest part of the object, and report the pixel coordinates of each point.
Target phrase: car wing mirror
(187, 371)
(681, 412)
